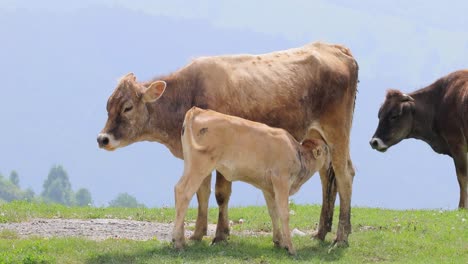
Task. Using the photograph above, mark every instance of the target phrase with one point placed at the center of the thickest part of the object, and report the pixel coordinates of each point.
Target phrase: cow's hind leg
(203, 195)
(327, 177)
(222, 193)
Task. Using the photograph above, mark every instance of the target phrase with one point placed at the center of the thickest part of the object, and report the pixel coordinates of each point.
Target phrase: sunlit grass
(379, 235)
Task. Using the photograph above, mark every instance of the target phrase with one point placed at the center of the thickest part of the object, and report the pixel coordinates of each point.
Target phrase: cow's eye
(394, 117)
(128, 109)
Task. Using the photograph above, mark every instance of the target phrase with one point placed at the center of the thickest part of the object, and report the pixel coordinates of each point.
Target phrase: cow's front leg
(327, 177)
(223, 193)
(203, 196)
(460, 159)
(344, 183)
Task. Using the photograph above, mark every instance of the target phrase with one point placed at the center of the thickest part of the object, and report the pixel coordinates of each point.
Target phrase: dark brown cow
(308, 91)
(436, 114)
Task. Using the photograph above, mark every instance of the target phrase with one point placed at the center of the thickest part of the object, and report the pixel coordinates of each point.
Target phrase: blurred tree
(14, 178)
(10, 192)
(57, 187)
(83, 197)
(125, 200)
(29, 195)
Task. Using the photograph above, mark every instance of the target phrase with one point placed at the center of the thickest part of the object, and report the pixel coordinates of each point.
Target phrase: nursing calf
(268, 158)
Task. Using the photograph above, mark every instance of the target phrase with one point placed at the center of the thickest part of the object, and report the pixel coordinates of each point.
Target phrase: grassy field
(379, 236)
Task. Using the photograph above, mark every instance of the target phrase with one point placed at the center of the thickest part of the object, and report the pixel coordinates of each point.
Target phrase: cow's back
(289, 89)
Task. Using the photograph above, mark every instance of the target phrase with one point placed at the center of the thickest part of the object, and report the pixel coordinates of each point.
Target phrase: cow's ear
(154, 91)
(406, 98)
(129, 76)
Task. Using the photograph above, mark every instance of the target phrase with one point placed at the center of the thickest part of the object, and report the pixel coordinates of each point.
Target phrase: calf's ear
(154, 91)
(317, 152)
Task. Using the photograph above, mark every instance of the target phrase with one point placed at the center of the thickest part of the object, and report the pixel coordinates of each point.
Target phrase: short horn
(407, 98)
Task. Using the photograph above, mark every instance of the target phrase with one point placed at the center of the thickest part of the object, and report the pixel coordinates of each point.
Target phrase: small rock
(241, 221)
(297, 232)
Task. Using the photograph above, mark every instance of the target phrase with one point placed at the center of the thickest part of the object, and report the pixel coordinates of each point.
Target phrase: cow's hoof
(196, 237)
(317, 235)
(338, 244)
(219, 239)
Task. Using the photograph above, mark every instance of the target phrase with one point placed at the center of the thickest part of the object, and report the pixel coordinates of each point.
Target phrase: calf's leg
(222, 193)
(281, 190)
(184, 191)
(203, 195)
(273, 211)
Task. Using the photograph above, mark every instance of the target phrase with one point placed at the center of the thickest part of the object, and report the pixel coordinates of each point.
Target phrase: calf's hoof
(178, 244)
(277, 243)
(292, 251)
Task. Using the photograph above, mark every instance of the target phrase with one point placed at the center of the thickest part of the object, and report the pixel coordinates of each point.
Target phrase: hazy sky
(60, 61)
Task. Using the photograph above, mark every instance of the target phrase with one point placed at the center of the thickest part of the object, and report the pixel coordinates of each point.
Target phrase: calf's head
(319, 153)
(127, 112)
(395, 120)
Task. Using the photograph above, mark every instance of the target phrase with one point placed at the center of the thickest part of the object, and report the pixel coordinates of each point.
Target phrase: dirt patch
(101, 229)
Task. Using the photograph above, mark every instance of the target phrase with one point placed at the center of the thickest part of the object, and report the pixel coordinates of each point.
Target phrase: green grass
(379, 236)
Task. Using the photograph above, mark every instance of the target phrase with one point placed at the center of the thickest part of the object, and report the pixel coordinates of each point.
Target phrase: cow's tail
(188, 137)
(354, 68)
(354, 85)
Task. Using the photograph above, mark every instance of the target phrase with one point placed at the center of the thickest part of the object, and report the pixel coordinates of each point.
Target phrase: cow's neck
(166, 115)
(424, 128)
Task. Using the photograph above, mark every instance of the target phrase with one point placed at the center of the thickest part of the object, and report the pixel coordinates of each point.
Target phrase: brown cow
(307, 91)
(268, 158)
(436, 114)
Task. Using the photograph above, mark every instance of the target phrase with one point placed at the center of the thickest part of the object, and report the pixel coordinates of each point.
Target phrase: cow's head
(395, 120)
(127, 112)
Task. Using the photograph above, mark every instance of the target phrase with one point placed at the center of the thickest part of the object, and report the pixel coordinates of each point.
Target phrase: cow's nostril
(103, 140)
(374, 143)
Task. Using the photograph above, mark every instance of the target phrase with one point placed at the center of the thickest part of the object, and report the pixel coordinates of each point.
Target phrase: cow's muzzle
(377, 144)
(107, 141)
